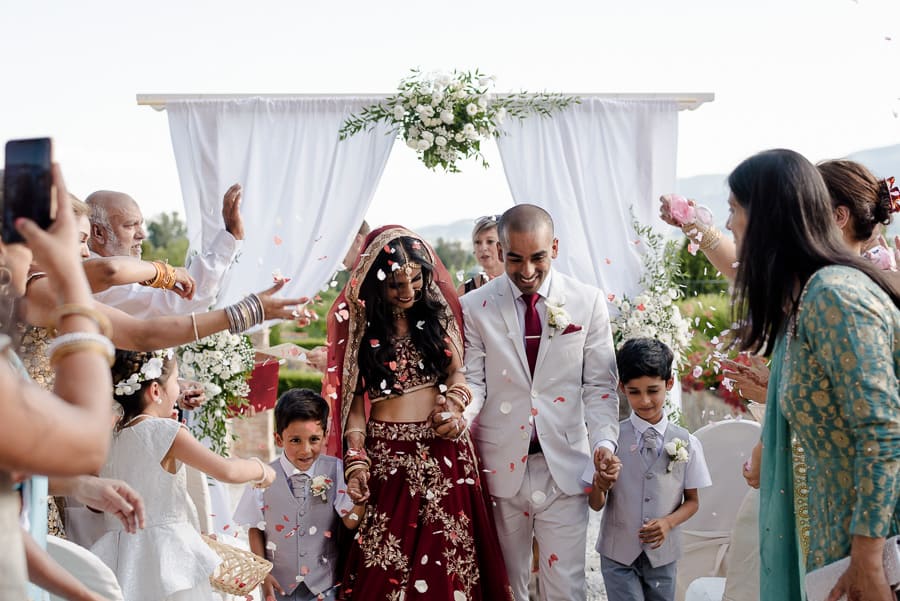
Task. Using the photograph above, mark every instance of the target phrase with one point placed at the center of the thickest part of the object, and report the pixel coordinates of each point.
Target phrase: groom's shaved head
(524, 219)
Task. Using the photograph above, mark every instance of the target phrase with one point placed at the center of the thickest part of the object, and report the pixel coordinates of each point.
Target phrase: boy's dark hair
(644, 357)
(300, 404)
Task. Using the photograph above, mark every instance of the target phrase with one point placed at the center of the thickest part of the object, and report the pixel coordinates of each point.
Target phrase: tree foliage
(166, 239)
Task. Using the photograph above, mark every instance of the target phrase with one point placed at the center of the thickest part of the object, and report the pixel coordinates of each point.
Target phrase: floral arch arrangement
(445, 116)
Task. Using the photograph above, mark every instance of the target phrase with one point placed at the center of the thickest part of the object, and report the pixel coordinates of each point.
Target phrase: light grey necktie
(300, 486)
(649, 446)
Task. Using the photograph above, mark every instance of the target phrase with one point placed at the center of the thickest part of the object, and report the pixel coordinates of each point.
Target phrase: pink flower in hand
(680, 209)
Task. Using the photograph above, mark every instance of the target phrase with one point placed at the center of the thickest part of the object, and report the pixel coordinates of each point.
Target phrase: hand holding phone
(28, 189)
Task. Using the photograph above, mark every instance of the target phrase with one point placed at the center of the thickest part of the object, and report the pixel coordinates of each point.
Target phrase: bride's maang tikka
(401, 260)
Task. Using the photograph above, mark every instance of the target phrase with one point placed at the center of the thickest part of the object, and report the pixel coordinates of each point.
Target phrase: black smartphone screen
(27, 185)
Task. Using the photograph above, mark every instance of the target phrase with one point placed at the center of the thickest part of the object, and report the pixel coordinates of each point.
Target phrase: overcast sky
(819, 76)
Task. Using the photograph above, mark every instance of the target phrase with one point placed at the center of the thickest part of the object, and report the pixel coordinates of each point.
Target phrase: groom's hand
(606, 463)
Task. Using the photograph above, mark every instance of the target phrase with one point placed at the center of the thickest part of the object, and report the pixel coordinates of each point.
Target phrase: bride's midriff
(414, 406)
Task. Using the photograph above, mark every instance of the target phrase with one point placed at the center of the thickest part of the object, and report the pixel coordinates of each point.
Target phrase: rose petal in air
(421, 586)
(381, 275)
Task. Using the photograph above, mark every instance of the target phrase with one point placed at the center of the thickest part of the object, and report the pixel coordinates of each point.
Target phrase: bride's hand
(358, 486)
(284, 308)
(446, 422)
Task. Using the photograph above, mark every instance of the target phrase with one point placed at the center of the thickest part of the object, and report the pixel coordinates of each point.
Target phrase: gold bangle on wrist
(76, 342)
(357, 430)
(96, 316)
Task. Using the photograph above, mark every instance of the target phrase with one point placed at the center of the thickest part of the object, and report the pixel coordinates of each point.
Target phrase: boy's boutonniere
(319, 486)
(677, 450)
(558, 318)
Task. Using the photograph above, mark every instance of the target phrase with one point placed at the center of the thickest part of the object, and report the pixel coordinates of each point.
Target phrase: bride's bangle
(262, 467)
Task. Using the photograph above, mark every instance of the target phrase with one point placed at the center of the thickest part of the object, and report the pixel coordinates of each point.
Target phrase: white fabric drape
(305, 191)
(586, 166)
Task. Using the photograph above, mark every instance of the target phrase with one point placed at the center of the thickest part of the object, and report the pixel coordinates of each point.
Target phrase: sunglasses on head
(487, 218)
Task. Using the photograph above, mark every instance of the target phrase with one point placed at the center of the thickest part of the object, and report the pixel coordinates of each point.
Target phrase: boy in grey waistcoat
(656, 489)
(294, 522)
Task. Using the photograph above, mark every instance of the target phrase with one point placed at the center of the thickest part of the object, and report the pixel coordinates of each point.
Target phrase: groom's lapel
(507, 302)
(546, 339)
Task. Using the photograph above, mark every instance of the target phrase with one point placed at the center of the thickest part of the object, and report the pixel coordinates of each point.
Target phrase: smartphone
(28, 189)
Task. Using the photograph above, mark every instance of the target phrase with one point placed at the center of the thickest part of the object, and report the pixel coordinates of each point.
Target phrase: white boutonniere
(557, 317)
(678, 452)
(320, 485)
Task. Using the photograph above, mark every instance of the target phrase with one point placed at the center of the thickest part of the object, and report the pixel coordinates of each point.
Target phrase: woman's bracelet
(351, 469)
(194, 322)
(74, 342)
(262, 467)
(96, 316)
(707, 237)
(357, 430)
(245, 314)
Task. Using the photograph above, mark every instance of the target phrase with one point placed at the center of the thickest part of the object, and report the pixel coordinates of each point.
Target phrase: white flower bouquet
(222, 364)
(445, 116)
(320, 485)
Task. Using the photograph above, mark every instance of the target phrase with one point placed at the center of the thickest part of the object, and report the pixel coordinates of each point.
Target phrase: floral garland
(653, 313)
(444, 117)
(222, 364)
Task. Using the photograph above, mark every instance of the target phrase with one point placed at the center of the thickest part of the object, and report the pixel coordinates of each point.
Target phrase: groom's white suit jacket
(571, 399)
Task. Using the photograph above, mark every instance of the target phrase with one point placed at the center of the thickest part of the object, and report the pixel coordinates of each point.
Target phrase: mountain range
(710, 190)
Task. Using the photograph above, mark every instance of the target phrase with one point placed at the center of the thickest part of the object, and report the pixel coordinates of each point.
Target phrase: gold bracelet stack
(165, 276)
(99, 318)
(76, 342)
(355, 460)
(707, 237)
(460, 393)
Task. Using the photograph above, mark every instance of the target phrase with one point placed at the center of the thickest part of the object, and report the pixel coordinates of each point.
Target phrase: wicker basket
(240, 571)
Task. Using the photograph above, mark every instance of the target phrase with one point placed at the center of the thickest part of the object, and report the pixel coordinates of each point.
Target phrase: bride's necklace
(398, 313)
(135, 418)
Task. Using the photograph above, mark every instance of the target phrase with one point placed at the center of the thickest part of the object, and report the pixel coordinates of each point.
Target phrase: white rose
(682, 454)
(436, 98)
(413, 143)
(423, 145)
(671, 449)
(399, 113)
(428, 112)
(447, 116)
(459, 137)
(427, 135)
(472, 109)
(413, 132)
(440, 141)
(468, 130)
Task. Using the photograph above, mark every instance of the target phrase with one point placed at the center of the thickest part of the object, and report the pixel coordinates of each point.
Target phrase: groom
(540, 363)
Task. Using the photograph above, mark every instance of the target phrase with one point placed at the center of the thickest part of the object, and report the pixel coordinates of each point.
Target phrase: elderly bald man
(117, 229)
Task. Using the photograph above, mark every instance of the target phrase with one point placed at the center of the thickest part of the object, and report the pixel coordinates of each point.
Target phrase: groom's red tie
(532, 329)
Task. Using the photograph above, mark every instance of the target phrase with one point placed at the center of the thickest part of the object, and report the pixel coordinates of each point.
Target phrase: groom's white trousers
(559, 523)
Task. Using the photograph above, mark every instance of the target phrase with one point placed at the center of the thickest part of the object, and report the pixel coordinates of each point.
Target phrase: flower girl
(168, 559)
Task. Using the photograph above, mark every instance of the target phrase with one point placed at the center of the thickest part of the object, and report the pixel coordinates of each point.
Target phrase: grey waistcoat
(641, 495)
(296, 549)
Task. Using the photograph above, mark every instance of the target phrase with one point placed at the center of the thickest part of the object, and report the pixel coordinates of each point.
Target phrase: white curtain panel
(305, 191)
(587, 166)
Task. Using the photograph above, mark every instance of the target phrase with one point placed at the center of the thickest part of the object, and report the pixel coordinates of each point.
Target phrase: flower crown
(151, 369)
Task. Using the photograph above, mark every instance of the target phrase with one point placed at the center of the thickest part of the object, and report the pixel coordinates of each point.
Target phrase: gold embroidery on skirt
(801, 496)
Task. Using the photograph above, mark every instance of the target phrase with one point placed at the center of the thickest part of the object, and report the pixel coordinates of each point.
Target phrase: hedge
(291, 378)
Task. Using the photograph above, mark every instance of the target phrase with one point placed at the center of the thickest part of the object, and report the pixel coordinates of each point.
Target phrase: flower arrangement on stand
(222, 364)
(445, 116)
(653, 313)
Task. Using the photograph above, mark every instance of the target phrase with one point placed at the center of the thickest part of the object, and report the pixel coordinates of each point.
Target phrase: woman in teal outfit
(830, 321)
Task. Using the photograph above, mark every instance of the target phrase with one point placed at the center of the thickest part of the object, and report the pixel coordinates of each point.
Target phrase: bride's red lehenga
(428, 532)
